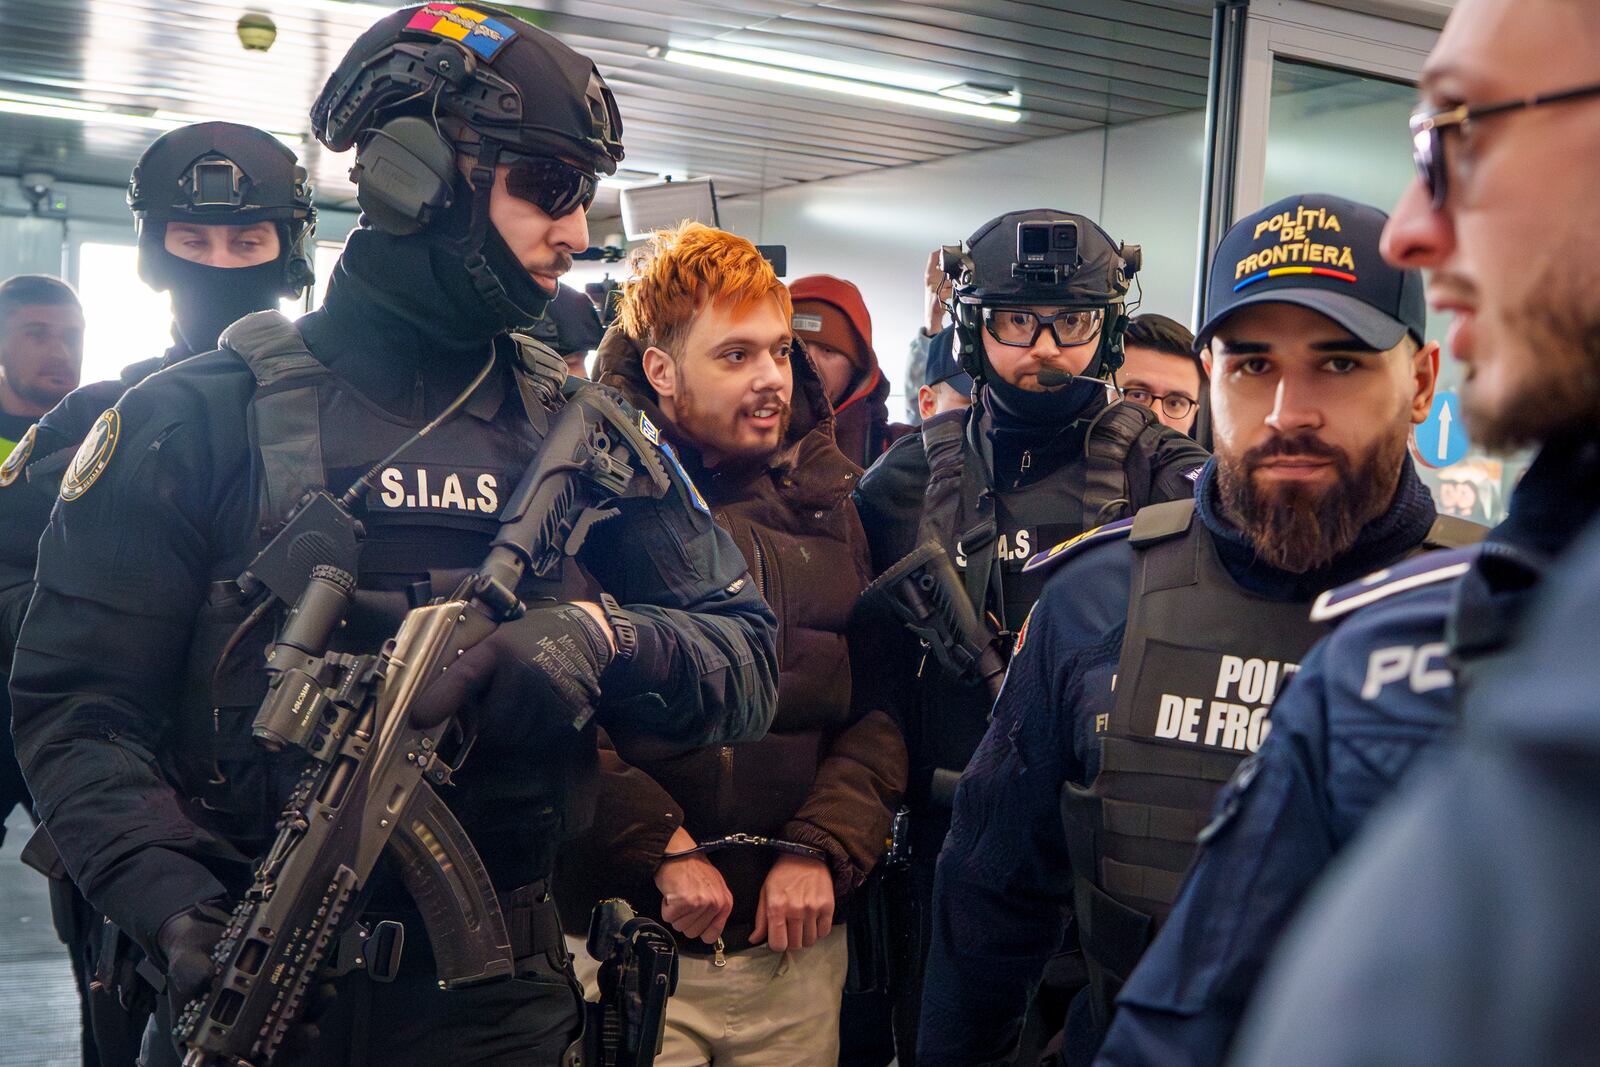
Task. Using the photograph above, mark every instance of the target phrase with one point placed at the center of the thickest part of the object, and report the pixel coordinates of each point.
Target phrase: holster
(537, 943)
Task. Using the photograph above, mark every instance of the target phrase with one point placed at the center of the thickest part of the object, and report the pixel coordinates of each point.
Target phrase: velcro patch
(1429, 568)
(457, 22)
(1109, 532)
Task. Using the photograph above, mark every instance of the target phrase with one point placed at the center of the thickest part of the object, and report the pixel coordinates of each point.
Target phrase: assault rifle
(924, 592)
(368, 784)
(638, 972)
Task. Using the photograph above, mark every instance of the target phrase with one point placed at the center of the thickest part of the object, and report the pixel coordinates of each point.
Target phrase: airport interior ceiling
(707, 88)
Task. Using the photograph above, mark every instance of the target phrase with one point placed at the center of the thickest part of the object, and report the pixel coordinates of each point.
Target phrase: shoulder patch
(17, 461)
(1050, 558)
(93, 455)
(1430, 568)
(683, 475)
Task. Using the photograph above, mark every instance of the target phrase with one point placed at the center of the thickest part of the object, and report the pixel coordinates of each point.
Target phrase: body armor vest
(1201, 662)
(428, 520)
(990, 536)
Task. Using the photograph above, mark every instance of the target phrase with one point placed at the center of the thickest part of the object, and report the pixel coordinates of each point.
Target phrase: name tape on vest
(433, 487)
(1205, 699)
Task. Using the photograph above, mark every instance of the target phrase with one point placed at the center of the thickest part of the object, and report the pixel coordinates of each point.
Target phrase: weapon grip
(446, 877)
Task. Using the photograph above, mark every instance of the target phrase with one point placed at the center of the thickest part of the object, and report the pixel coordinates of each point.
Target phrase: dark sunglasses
(1428, 128)
(551, 185)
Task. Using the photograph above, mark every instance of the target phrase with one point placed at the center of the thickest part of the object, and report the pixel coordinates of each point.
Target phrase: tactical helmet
(1041, 257)
(507, 92)
(221, 174)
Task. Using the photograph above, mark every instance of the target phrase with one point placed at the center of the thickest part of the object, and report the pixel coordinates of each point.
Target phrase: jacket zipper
(761, 566)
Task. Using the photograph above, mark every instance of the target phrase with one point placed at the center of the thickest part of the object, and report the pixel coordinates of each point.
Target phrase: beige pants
(764, 1009)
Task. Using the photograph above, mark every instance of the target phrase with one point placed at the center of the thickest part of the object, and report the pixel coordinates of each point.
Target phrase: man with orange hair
(748, 853)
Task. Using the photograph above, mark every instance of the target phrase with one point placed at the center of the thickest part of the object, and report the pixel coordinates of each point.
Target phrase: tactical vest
(428, 521)
(1201, 661)
(991, 534)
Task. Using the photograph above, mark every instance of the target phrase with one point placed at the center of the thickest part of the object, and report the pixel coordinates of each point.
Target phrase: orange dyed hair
(681, 270)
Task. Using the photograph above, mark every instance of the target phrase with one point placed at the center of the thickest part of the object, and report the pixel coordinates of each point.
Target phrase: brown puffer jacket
(829, 773)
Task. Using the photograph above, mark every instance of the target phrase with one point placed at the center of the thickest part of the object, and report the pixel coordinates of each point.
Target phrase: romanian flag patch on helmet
(484, 35)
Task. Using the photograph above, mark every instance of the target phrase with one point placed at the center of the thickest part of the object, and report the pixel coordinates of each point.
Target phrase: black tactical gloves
(185, 942)
(551, 658)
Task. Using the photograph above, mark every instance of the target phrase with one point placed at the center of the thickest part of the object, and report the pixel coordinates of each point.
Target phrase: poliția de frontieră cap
(1318, 252)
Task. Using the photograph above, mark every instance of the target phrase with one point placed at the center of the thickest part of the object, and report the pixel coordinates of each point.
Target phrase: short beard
(692, 419)
(1299, 529)
(1558, 330)
(40, 397)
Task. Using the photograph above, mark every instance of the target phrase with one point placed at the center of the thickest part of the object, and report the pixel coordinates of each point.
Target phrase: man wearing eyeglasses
(1462, 928)
(1040, 308)
(1161, 371)
(1145, 672)
(478, 143)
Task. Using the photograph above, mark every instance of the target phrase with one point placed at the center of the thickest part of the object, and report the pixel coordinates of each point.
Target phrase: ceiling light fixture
(809, 73)
(982, 94)
(85, 111)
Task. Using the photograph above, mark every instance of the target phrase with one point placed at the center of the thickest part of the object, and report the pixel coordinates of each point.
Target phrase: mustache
(1453, 286)
(1300, 445)
(768, 400)
(560, 263)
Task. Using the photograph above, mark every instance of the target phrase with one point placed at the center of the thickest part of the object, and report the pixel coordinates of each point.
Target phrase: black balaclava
(220, 174)
(207, 300)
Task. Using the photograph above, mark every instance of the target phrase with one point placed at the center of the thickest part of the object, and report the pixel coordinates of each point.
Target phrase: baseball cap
(943, 364)
(1318, 252)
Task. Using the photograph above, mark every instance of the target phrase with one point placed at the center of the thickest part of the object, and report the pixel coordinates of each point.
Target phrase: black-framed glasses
(1428, 128)
(1176, 405)
(1021, 327)
(553, 186)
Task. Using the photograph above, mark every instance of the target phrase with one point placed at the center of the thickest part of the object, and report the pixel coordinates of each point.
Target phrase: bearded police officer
(1040, 309)
(478, 143)
(1145, 672)
(224, 220)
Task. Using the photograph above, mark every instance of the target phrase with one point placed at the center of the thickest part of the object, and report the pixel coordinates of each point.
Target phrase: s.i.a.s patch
(93, 455)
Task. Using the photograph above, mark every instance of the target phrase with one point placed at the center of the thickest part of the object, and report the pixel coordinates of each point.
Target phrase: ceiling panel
(1075, 63)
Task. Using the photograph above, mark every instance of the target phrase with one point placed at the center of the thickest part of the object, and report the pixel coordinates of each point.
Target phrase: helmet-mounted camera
(1046, 251)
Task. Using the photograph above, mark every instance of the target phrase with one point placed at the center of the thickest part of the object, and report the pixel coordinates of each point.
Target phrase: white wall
(1140, 180)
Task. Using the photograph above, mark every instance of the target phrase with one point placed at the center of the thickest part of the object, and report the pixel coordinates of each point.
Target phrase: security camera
(256, 31)
(36, 186)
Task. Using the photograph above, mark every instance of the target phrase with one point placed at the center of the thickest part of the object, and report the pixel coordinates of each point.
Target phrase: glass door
(1323, 108)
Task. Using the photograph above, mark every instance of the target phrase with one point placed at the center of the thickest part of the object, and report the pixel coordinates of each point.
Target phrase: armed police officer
(224, 220)
(1040, 309)
(478, 141)
(1144, 674)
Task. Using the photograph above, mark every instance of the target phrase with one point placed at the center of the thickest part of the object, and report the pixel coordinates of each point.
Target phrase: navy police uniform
(1471, 884)
(1087, 687)
(1366, 702)
(132, 724)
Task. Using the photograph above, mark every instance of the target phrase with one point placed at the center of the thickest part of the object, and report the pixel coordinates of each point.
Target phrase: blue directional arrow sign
(1442, 439)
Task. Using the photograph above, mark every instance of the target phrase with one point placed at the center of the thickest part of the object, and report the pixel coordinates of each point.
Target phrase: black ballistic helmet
(519, 91)
(221, 174)
(1041, 257)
